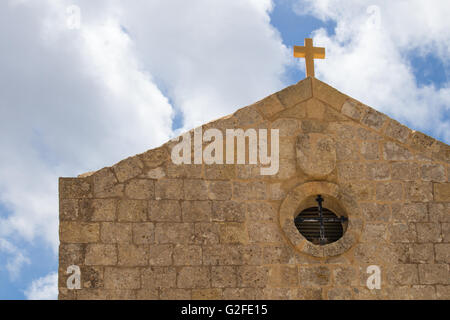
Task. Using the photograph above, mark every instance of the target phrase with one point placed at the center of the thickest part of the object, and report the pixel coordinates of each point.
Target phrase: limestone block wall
(146, 228)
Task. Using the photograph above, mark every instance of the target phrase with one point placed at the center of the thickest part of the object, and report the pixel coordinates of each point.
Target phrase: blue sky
(129, 78)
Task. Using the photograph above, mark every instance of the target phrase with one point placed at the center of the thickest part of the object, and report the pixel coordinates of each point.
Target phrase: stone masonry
(146, 228)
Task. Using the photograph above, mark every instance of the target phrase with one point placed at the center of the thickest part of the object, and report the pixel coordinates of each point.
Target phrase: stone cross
(309, 52)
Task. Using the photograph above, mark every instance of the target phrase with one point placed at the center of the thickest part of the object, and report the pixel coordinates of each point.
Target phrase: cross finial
(309, 52)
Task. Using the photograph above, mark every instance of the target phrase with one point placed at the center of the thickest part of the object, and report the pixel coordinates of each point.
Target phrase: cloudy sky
(75, 97)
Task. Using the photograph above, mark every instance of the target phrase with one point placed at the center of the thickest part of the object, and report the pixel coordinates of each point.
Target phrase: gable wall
(147, 228)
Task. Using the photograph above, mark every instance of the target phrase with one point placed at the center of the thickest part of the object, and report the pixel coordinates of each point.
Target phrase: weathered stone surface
(196, 211)
(269, 232)
(446, 232)
(167, 232)
(71, 254)
(439, 211)
(140, 189)
(195, 190)
(347, 150)
(239, 293)
(220, 190)
(375, 211)
(433, 172)
(397, 131)
(220, 172)
(374, 232)
(389, 191)
(345, 276)
(176, 294)
(159, 277)
(410, 212)
(287, 127)
(122, 278)
(313, 126)
(428, 232)
(171, 189)
(402, 274)
(143, 233)
(147, 294)
(443, 292)
(402, 232)
(154, 157)
(298, 111)
(233, 232)
(207, 294)
(269, 106)
(222, 254)
(316, 154)
(393, 151)
(351, 170)
(405, 171)
(156, 173)
(295, 93)
(206, 233)
(256, 190)
(373, 119)
(194, 277)
(441, 191)
(258, 211)
(339, 294)
(69, 210)
(434, 274)
(315, 109)
(352, 109)
(419, 191)
(422, 253)
(74, 188)
(253, 276)
(128, 168)
(314, 276)
(79, 232)
(101, 254)
(378, 171)
(113, 232)
(164, 211)
(132, 255)
(132, 210)
(283, 276)
(248, 116)
(191, 171)
(328, 94)
(187, 255)
(160, 255)
(421, 141)
(223, 277)
(101, 209)
(370, 150)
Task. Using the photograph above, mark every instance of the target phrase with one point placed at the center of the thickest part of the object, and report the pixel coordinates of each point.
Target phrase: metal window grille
(320, 225)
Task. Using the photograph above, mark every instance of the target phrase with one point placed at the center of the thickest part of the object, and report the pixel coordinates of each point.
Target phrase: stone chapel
(358, 209)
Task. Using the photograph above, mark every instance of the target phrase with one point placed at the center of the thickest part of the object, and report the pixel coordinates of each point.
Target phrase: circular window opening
(319, 224)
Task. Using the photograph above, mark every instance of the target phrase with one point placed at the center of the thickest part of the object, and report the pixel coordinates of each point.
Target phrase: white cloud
(76, 100)
(15, 258)
(211, 56)
(368, 57)
(45, 288)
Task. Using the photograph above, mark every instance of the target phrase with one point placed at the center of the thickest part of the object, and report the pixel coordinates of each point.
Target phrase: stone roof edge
(387, 127)
(266, 108)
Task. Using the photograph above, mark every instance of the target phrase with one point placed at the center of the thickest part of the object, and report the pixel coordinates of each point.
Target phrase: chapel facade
(359, 208)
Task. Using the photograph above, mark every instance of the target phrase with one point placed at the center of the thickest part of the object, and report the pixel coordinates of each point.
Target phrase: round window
(319, 224)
